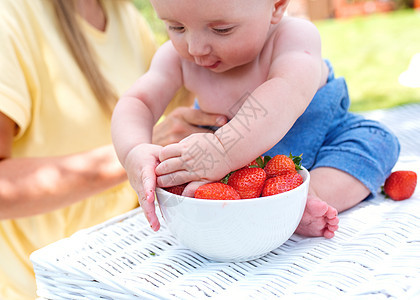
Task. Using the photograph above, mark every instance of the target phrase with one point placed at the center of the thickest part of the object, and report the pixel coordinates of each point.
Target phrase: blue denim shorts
(328, 135)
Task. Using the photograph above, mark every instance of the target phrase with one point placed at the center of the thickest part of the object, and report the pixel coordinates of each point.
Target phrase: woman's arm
(30, 186)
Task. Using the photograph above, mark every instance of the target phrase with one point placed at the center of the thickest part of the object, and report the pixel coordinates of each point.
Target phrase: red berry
(216, 191)
(248, 182)
(400, 185)
(177, 189)
(281, 184)
(279, 165)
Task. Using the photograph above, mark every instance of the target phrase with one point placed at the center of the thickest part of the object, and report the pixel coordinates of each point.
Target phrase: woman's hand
(182, 122)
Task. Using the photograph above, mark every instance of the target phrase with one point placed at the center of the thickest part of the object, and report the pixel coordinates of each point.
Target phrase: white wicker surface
(374, 255)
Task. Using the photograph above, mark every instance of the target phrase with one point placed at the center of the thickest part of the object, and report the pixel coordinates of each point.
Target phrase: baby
(265, 72)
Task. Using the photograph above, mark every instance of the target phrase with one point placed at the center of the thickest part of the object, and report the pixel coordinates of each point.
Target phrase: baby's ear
(279, 10)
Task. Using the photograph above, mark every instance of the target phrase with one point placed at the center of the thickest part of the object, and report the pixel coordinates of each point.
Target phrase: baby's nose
(198, 46)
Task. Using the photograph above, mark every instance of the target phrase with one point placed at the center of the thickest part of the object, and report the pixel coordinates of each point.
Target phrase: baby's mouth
(213, 66)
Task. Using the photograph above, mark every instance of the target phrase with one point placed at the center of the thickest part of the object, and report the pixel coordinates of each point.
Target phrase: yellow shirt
(44, 92)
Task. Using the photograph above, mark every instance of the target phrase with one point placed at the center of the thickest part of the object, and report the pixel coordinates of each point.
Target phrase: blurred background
(373, 44)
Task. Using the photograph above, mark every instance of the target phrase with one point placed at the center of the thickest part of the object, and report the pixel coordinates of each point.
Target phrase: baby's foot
(319, 219)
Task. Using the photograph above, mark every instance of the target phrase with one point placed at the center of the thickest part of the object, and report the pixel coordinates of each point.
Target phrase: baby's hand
(199, 158)
(140, 165)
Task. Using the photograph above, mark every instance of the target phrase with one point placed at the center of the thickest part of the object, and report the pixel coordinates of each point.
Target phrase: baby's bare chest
(223, 94)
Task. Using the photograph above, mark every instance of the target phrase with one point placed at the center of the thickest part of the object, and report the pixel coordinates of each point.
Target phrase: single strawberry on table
(281, 184)
(216, 191)
(400, 185)
(248, 182)
(282, 164)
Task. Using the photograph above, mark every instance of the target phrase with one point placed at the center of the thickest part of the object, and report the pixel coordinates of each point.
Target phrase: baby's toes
(331, 213)
(333, 221)
(328, 234)
(332, 228)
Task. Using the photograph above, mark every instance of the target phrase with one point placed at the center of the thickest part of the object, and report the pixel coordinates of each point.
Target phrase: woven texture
(374, 255)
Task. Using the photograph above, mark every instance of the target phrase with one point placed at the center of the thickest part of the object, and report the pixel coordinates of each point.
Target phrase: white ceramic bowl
(234, 230)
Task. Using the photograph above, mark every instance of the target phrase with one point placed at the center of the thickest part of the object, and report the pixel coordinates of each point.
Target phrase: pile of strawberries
(268, 176)
(265, 176)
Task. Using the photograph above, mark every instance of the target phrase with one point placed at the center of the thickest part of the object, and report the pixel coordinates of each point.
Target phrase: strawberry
(248, 182)
(177, 189)
(282, 164)
(281, 184)
(216, 191)
(400, 185)
(259, 162)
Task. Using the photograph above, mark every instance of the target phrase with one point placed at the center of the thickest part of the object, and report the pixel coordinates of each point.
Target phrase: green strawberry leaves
(297, 160)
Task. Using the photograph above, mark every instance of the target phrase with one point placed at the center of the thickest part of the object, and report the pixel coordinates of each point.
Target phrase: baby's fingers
(176, 178)
(147, 197)
(149, 184)
(172, 150)
(170, 165)
(191, 187)
(150, 214)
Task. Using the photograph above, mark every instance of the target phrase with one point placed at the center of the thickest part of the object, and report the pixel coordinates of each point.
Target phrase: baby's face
(217, 34)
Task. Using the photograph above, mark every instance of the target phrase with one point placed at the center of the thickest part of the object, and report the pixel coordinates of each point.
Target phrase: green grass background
(370, 52)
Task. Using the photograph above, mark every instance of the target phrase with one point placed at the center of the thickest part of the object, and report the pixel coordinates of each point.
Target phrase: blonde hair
(86, 60)
(84, 54)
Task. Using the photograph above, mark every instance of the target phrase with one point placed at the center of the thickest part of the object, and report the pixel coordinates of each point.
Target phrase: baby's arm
(132, 123)
(296, 72)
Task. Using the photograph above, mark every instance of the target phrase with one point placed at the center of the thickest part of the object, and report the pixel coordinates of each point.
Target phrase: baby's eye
(224, 30)
(176, 28)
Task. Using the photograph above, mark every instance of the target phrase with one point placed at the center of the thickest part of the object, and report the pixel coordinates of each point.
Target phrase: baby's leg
(337, 188)
(331, 191)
